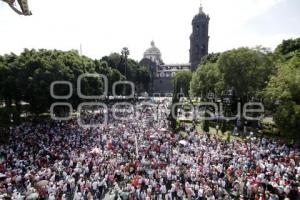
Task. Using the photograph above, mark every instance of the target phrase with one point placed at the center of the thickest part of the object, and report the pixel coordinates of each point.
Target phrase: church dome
(153, 53)
(153, 50)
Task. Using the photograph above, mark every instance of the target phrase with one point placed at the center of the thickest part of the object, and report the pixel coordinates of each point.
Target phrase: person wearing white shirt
(51, 196)
(163, 190)
(95, 185)
(77, 196)
(200, 193)
(180, 193)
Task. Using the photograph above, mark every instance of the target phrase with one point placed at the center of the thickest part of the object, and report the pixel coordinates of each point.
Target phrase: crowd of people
(140, 158)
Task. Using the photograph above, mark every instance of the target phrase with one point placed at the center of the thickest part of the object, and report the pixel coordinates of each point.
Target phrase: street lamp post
(11, 121)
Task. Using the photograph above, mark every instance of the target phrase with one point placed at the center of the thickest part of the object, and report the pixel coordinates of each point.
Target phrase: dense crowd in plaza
(142, 159)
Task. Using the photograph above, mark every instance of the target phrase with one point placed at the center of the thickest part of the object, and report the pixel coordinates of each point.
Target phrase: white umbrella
(2, 175)
(96, 150)
(183, 142)
(32, 196)
(152, 136)
(163, 129)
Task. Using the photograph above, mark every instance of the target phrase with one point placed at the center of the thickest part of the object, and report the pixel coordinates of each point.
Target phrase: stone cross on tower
(201, 8)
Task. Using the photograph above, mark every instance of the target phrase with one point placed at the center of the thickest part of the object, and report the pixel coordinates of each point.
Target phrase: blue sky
(105, 26)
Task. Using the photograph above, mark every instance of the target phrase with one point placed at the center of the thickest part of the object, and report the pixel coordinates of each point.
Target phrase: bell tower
(199, 38)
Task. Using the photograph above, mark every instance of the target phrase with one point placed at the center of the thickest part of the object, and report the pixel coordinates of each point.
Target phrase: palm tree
(125, 53)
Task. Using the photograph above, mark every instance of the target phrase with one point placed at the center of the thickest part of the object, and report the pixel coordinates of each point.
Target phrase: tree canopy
(181, 82)
(27, 77)
(244, 71)
(256, 72)
(206, 79)
(283, 89)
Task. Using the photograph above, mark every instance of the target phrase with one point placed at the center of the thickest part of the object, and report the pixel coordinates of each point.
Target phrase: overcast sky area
(105, 26)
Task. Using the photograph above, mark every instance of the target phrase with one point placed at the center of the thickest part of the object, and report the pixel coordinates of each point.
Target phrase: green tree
(39, 69)
(125, 53)
(283, 89)
(288, 46)
(181, 82)
(129, 69)
(287, 118)
(205, 126)
(210, 58)
(245, 71)
(9, 91)
(143, 78)
(206, 79)
(285, 85)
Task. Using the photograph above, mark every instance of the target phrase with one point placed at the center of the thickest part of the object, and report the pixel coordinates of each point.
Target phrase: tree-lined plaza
(224, 126)
(250, 75)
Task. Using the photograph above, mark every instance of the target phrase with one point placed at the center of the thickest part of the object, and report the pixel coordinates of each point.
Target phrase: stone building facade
(162, 73)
